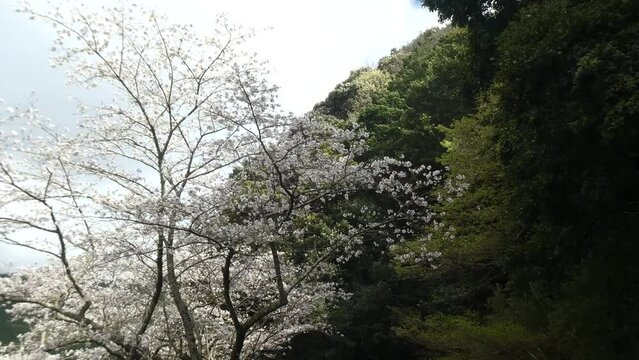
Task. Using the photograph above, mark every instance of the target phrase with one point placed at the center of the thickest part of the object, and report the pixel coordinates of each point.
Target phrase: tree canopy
(473, 196)
(173, 213)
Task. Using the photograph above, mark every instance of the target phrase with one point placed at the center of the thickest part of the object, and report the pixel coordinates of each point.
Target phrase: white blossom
(168, 212)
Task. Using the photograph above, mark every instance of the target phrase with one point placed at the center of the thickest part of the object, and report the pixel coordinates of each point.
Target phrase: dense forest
(530, 111)
(534, 105)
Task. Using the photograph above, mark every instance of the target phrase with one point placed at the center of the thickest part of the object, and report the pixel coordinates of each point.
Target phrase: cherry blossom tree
(171, 213)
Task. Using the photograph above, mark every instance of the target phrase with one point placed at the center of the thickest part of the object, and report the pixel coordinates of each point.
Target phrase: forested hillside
(473, 196)
(534, 106)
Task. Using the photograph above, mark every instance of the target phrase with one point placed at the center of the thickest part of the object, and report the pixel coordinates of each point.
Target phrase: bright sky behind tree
(311, 47)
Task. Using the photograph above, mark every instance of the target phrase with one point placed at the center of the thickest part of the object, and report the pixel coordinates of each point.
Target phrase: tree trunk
(183, 310)
(240, 336)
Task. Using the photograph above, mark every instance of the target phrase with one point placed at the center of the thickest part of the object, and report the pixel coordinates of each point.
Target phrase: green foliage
(485, 19)
(532, 106)
(354, 93)
(9, 330)
(437, 79)
(433, 86)
(566, 124)
(425, 84)
(465, 337)
(537, 253)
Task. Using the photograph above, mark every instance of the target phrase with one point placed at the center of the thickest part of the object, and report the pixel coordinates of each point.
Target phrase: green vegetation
(9, 330)
(533, 105)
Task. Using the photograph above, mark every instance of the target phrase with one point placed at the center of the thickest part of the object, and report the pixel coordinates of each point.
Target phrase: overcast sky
(312, 46)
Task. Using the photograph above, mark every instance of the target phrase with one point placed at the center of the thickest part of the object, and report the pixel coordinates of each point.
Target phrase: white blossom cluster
(175, 214)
